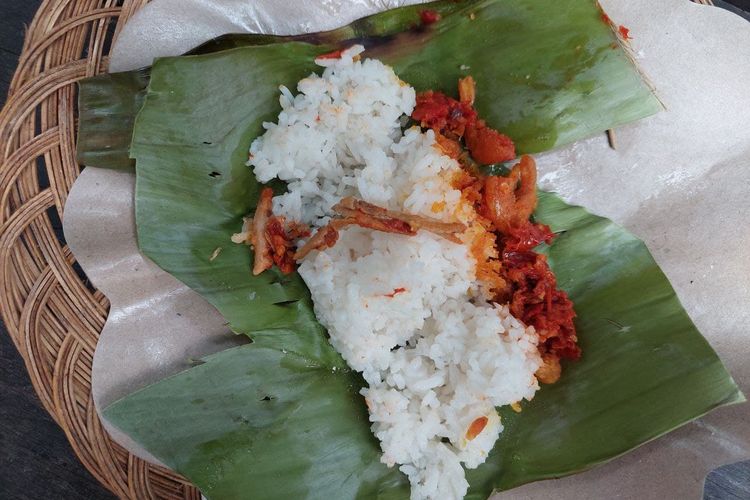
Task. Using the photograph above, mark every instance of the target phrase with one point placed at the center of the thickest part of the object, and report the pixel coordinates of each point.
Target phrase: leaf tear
(286, 303)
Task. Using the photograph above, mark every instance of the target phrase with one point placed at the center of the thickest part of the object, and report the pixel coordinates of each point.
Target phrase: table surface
(36, 460)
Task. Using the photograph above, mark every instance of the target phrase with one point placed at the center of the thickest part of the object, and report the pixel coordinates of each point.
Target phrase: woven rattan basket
(51, 312)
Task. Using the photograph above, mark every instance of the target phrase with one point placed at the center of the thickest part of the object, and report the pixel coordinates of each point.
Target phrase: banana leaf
(547, 76)
(261, 421)
(107, 107)
(282, 417)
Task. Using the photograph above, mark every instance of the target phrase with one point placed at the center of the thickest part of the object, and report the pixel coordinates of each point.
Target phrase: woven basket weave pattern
(53, 316)
(51, 312)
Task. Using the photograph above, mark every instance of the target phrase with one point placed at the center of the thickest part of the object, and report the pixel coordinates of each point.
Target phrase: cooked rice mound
(408, 312)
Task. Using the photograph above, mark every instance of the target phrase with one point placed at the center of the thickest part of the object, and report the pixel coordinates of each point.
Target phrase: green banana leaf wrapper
(546, 76)
(282, 417)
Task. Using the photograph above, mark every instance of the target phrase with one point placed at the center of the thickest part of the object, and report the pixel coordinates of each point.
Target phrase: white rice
(310, 149)
(405, 311)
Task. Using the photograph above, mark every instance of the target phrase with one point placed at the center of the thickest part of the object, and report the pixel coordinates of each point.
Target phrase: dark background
(36, 461)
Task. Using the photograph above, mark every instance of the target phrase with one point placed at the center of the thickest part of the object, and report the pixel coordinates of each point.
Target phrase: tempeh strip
(325, 237)
(262, 259)
(349, 206)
